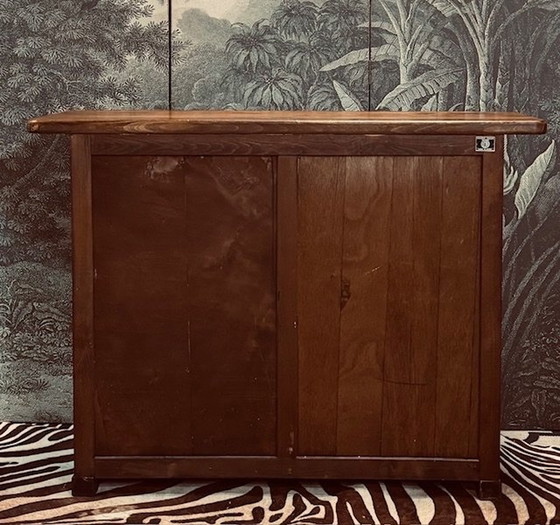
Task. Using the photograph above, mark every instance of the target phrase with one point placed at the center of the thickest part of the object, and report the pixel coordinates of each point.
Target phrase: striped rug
(36, 466)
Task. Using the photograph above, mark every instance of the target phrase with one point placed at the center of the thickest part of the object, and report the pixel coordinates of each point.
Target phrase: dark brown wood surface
(286, 267)
(142, 363)
(324, 303)
(388, 264)
(184, 305)
(367, 205)
(413, 307)
(490, 314)
(232, 304)
(346, 468)
(241, 122)
(82, 305)
(460, 262)
(281, 144)
(320, 231)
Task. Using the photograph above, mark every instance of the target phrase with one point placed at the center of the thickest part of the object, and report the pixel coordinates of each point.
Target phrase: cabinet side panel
(491, 313)
(231, 292)
(83, 358)
(369, 182)
(320, 231)
(412, 326)
(458, 334)
(140, 306)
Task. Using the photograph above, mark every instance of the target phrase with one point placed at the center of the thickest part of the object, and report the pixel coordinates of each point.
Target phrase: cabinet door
(388, 305)
(184, 300)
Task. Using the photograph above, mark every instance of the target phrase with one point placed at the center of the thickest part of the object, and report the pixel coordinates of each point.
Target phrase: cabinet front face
(388, 306)
(194, 304)
(311, 295)
(184, 305)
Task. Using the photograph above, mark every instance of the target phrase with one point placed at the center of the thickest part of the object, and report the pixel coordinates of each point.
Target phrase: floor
(36, 466)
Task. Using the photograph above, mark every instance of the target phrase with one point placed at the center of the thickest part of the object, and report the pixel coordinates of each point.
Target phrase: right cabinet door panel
(388, 306)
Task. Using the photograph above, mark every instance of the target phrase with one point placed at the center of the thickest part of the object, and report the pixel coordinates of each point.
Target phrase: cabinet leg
(489, 489)
(84, 486)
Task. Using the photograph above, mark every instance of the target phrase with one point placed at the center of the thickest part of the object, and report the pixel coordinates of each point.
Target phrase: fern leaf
(430, 83)
(532, 178)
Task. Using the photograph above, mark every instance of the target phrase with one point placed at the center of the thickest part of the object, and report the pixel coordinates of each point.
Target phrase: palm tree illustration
(295, 19)
(255, 49)
(340, 18)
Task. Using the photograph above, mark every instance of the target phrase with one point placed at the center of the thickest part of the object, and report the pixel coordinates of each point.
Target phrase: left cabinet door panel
(184, 302)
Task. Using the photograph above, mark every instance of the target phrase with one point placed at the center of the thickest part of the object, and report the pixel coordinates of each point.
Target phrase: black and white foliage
(276, 61)
(480, 55)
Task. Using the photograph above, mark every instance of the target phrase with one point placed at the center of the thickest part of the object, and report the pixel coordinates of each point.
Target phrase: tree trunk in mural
(486, 85)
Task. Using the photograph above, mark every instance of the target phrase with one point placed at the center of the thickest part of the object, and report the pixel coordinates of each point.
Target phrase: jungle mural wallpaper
(353, 55)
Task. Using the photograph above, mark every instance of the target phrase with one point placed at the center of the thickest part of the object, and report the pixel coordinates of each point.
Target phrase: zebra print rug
(36, 466)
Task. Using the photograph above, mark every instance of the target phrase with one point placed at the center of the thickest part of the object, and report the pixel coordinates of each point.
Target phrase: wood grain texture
(285, 144)
(404, 262)
(460, 252)
(142, 363)
(363, 304)
(491, 313)
(231, 289)
(287, 289)
(127, 467)
(398, 362)
(413, 306)
(475, 408)
(83, 327)
(185, 301)
(320, 232)
(401, 123)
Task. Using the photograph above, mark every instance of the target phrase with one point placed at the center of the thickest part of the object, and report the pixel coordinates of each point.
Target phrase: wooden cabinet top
(300, 122)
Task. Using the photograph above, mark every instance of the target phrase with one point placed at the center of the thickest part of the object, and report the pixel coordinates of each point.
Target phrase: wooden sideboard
(287, 294)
